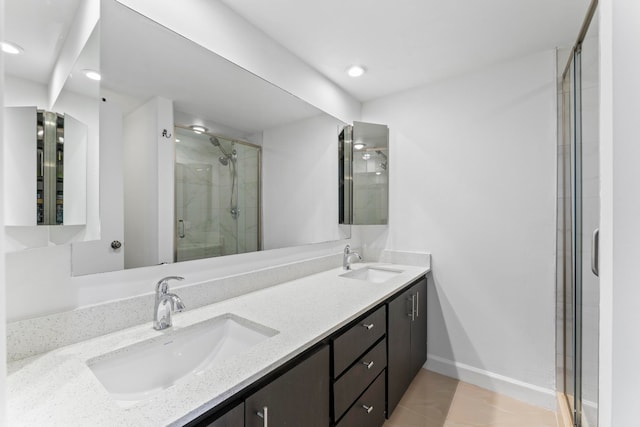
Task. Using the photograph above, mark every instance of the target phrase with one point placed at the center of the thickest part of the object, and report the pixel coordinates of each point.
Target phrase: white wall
(620, 210)
(298, 194)
(472, 180)
(149, 184)
(98, 255)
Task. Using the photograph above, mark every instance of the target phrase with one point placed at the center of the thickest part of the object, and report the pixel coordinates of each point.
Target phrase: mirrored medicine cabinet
(363, 160)
(46, 161)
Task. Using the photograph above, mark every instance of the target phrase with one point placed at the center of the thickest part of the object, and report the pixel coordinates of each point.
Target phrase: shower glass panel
(566, 285)
(217, 196)
(578, 222)
(589, 209)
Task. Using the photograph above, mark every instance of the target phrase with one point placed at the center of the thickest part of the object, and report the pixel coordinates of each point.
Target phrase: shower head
(216, 142)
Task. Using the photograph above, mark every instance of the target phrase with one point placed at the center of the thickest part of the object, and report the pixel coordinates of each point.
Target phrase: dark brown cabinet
(233, 418)
(356, 378)
(299, 397)
(359, 361)
(407, 340)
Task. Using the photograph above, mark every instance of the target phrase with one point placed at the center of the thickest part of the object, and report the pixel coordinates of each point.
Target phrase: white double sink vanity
(214, 356)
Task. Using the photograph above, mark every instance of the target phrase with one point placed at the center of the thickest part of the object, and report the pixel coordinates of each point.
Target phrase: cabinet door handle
(413, 308)
(368, 327)
(264, 415)
(417, 304)
(369, 365)
(368, 408)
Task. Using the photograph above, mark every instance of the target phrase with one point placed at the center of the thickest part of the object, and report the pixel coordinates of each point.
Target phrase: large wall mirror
(199, 157)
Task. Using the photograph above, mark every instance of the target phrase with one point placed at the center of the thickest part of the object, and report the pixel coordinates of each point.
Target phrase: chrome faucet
(165, 303)
(346, 257)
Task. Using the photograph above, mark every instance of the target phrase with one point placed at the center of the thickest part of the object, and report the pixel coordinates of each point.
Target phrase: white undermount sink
(372, 274)
(138, 371)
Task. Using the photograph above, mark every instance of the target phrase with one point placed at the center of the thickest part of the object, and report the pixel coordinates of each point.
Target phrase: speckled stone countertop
(57, 388)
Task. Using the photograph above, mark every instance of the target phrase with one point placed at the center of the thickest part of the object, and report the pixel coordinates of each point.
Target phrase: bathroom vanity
(330, 347)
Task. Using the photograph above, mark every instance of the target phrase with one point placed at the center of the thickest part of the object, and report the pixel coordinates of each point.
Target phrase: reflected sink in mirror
(138, 371)
(372, 274)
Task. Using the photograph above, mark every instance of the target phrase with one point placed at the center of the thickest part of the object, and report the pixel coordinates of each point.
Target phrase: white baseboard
(529, 393)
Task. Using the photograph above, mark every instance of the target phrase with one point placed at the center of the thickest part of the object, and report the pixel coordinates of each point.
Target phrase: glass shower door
(588, 213)
(217, 196)
(579, 217)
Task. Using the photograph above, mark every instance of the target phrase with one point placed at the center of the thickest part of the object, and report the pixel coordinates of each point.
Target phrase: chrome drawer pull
(265, 416)
(369, 326)
(368, 408)
(368, 365)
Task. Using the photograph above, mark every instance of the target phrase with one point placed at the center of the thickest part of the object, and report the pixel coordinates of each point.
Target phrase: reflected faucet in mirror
(165, 303)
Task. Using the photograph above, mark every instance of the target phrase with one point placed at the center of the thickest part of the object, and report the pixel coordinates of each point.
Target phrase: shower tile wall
(240, 235)
(249, 194)
(228, 225)
(196, 206)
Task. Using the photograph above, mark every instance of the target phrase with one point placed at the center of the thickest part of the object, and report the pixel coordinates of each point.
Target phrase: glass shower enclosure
(217, 196)
(578, 223)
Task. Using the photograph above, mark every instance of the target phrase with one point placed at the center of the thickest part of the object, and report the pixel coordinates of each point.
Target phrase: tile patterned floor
(434, 400)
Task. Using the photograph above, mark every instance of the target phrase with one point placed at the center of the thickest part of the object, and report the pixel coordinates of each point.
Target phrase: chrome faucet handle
(163, 284)
(176, 303)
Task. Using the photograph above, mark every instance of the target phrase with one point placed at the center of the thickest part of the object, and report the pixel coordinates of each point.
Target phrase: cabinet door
(419, 327)
(233, 418)
(299, 397)
(399, 372)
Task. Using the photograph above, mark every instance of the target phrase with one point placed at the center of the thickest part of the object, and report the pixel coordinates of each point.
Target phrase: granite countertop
(59, 389)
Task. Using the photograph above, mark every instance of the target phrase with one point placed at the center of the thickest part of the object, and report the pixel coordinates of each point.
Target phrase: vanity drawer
(368, 411)
(356, 379)
(355, 341)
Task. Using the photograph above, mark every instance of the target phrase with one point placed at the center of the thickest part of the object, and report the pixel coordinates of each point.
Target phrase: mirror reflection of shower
(231, 160)
(217, 195)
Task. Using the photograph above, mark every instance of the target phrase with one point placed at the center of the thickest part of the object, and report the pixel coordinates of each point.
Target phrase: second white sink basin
(372, 274)
(136, 372)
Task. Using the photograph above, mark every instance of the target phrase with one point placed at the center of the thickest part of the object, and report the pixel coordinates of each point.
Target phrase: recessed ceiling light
(11, 48)
(198, 129)
(356, 70)
(92, 74)
(177, 139)
(358, 145)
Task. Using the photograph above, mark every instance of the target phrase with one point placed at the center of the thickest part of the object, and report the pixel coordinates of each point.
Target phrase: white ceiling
(40, 28)
(409, 43)
(403, 44)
